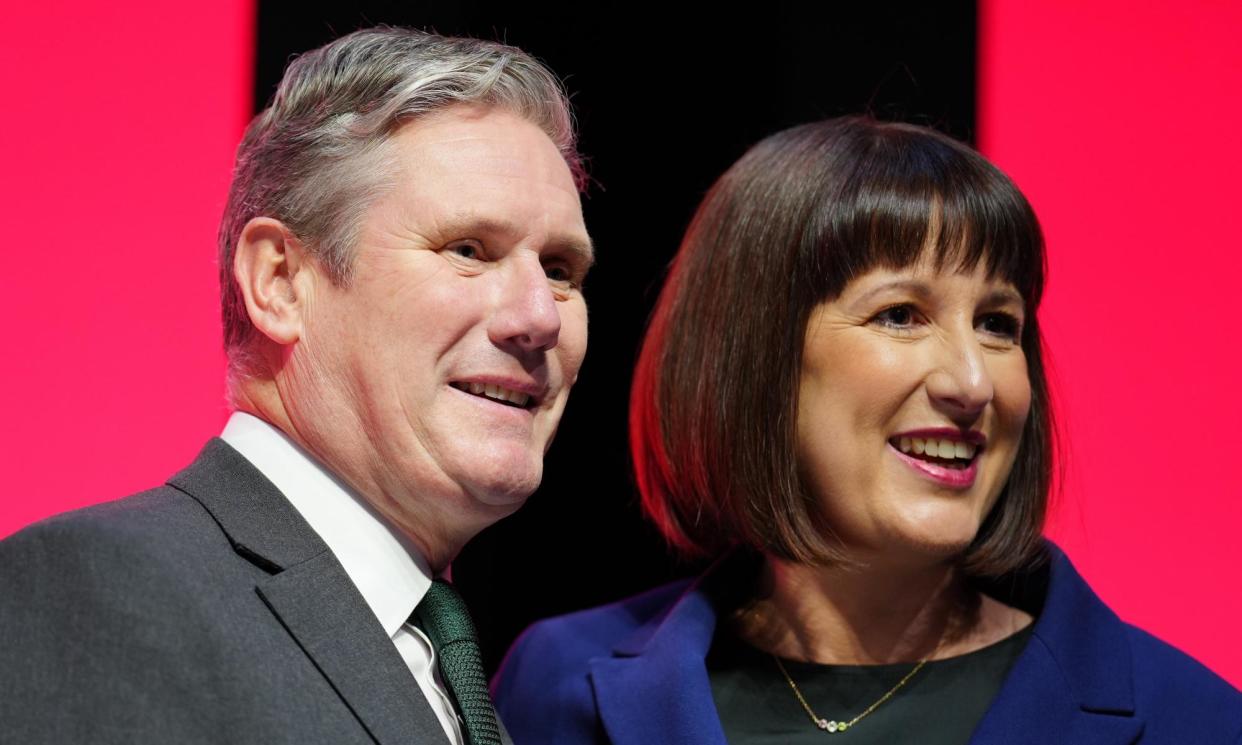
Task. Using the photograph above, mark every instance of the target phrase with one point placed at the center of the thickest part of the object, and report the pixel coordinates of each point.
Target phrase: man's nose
(526, 315)
(960, 385)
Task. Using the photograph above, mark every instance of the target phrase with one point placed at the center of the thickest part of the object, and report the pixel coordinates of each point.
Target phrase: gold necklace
(835, 726)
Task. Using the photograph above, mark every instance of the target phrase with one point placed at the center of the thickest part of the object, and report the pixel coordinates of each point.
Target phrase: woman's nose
(961, 384)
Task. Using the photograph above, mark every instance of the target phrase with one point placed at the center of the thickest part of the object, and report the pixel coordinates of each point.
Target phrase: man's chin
(494, 471)
(505, 489)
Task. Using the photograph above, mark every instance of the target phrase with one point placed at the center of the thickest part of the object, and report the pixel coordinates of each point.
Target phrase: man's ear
(266, 266)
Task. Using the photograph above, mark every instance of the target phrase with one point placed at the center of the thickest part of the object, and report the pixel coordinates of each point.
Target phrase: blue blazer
(633, 673)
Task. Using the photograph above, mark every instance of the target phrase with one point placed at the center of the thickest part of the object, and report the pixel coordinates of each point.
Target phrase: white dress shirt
(382, 563)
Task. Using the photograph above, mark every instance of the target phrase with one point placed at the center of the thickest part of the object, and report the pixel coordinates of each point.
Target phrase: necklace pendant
(833, 726)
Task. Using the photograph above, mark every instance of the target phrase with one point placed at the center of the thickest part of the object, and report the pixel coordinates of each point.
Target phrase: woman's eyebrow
(922, 291)
(913, 286)
(1003, 295)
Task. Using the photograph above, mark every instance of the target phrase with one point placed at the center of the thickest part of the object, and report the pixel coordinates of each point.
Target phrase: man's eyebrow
(467, 225)
(584, 250)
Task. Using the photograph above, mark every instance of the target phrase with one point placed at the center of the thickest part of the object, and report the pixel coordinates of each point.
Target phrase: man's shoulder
(161, 526)
(151, 559)
(163, 519)
(139, 621)
(122, 582)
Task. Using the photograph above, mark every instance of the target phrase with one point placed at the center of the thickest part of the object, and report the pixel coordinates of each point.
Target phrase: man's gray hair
(315, 158)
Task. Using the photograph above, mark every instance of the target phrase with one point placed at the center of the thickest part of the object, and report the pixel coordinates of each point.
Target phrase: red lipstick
(952, 478)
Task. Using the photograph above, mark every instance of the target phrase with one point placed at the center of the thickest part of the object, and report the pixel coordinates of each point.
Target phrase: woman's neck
(862, 615)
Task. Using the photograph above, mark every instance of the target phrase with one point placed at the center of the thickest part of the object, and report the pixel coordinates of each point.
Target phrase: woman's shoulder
(570, 641)
(1162, 663)
(1109, 665)
(543, 687)
(1187, 694)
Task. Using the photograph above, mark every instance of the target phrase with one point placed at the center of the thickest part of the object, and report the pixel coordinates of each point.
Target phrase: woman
(842, 395)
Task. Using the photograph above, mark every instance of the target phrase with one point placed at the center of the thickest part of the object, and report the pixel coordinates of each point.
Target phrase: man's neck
(416, 519)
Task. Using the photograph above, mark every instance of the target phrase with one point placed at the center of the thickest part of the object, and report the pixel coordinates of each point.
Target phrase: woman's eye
(897, 317)
(1002, 325)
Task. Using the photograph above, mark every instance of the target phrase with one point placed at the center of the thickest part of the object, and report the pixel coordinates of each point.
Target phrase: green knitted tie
(444, 617)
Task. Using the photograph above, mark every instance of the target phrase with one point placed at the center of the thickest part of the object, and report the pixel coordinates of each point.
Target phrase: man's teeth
(517, 398)
(937, 448)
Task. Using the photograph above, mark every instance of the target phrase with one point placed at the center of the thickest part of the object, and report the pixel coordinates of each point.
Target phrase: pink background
(1119, 122)
(119, 125)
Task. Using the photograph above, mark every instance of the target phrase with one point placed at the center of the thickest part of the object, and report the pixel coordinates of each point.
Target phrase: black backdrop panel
(664, 106)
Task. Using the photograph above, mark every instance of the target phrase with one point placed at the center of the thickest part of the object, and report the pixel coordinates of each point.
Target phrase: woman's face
(913, 395)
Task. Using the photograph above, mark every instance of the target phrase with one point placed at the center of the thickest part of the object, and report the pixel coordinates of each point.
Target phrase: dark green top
(941, 705)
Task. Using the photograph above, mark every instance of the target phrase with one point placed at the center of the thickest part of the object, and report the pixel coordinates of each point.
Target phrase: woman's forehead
(935, 262)
(928, 277)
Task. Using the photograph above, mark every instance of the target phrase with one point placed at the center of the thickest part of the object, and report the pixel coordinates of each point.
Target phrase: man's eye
(466, 250)
(558, 274)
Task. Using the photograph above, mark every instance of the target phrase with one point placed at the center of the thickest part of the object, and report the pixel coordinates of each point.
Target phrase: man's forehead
(470, 156)
(489, 141)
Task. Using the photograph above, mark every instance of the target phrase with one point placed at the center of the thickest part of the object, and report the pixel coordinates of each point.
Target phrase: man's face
(440, 372)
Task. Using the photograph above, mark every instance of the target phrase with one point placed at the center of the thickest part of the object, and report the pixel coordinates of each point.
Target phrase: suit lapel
(1074, 681)
(654, 687)
(319, 605)
(311, 596)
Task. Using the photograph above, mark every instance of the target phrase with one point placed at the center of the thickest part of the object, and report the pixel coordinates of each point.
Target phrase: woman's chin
(922, 546)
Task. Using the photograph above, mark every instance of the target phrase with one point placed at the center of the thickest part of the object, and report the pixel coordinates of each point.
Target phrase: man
(401, 265)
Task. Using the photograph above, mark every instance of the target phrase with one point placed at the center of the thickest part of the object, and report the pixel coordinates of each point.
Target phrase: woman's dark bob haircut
(715, 397)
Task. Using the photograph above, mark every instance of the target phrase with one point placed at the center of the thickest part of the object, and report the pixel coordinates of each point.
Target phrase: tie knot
(443, 615)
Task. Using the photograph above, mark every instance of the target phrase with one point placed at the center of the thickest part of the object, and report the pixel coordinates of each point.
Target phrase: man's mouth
(944, 452)
(497, 393)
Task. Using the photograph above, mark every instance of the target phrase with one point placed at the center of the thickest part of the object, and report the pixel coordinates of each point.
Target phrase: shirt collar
(382, 563)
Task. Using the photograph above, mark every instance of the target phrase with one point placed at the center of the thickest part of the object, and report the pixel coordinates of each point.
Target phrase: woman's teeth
(937, 448)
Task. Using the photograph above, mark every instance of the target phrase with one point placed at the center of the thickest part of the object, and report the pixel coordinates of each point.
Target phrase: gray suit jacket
(204, 611)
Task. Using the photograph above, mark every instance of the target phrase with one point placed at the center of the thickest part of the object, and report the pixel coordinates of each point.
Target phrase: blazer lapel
(310, 594)
(654, 688)
(321, 608)
(1074, 681)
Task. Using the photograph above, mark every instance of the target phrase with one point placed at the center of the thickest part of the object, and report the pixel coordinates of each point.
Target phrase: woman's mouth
(940, 451)
(950, 462)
